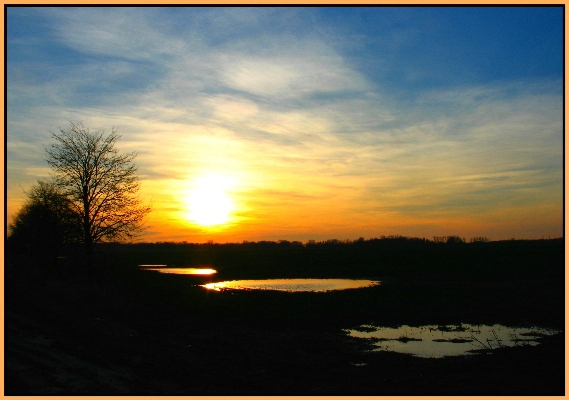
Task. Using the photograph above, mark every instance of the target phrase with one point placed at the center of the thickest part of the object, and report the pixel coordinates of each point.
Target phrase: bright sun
(209, 203)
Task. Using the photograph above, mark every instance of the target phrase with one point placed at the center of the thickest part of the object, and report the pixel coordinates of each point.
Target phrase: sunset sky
(304, 123)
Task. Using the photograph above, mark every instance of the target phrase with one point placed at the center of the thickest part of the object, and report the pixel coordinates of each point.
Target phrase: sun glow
(209, 202)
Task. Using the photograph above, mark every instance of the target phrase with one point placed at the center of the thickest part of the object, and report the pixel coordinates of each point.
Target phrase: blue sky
(333, 122)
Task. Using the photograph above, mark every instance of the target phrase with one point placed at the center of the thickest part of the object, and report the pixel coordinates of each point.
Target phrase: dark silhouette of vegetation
(479, 239)
(43, 224)
(453, 239)
(91, 198)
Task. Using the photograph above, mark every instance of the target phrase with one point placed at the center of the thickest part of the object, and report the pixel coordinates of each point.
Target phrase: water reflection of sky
(434, 341)
(179, 271)
(293, 285)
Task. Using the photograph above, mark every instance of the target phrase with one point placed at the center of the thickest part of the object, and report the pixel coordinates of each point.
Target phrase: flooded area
(434, 341)
(162, 268)
(293, 285)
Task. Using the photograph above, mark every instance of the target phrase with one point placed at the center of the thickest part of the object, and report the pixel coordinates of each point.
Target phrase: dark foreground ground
(157, 335)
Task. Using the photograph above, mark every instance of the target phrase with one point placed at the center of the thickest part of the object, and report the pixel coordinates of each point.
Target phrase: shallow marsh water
(430, 341)
(433, 341)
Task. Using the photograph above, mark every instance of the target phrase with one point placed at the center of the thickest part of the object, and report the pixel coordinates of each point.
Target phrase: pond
(163, 268)
(292, 285)
(434, 341)
(283, 285)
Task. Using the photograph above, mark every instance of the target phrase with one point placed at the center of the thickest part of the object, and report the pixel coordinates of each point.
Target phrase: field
(144, 333)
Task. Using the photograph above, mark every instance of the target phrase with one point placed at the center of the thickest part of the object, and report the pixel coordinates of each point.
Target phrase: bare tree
(100, 184)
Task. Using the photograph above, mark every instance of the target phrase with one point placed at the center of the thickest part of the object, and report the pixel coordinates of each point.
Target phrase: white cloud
(228, 108)
(290, 75)
(121, 32)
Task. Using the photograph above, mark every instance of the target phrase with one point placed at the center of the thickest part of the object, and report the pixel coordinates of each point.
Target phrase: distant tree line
(451, 239)
(383, 256)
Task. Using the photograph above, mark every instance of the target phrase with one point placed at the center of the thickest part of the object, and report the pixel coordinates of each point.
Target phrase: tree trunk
(88, 238)
(89, 266)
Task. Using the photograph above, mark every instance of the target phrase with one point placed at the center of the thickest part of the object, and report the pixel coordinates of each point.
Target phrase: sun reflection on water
(179, 271)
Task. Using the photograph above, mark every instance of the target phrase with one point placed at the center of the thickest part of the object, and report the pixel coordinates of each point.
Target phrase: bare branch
(99, 182)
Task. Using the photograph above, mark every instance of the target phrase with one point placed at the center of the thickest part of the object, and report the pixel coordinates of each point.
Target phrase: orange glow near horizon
(230, 193)
(330, 218)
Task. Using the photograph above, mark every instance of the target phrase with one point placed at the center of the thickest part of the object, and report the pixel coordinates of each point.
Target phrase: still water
(433, 341)
(293, 285)
(283, 285)
(162, 268)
